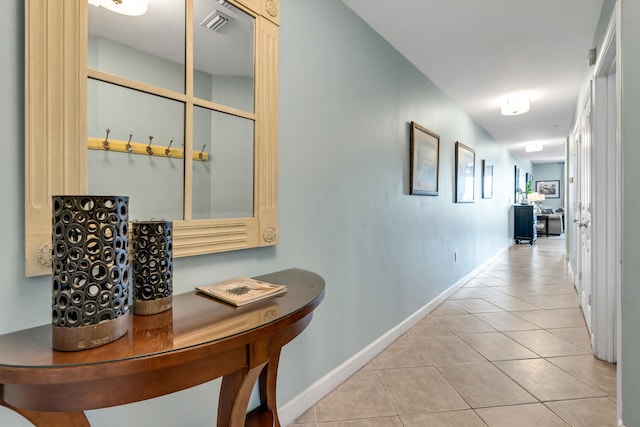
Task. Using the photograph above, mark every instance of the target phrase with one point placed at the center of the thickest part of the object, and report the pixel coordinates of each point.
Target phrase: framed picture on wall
(528, 182)
(425, 150)
(465, 173)
(487, 180)
(550, 189)
(516, 182)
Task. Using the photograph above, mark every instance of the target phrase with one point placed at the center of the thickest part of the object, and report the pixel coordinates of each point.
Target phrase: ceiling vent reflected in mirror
(215, 20)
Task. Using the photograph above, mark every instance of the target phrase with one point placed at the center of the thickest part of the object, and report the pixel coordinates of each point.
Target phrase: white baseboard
(572, 276)
(314, 393)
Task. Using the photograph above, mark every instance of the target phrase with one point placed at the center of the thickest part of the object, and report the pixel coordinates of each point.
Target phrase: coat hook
(105, 143)
(200, 154)
(128, 146)
(149, 150)
(168, 149)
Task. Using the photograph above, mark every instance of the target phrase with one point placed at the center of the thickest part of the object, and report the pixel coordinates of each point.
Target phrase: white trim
(609, 239)
(316, 391)
(604, 201)
(571, 274)
(617, 12)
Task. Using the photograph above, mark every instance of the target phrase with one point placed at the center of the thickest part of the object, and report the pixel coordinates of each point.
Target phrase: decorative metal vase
(152, 266)
(90, 264)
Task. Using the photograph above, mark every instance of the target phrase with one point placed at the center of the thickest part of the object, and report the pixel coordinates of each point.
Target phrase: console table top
(194, 320)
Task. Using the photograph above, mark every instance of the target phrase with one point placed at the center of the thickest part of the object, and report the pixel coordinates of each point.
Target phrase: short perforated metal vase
(152, 266)
(90, 264)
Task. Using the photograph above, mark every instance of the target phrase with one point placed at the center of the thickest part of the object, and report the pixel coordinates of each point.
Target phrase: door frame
(606, 196)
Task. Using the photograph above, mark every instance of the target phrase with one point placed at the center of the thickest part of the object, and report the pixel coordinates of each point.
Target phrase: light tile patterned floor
(510, 348)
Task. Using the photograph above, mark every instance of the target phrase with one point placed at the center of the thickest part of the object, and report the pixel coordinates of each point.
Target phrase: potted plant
(524, 194)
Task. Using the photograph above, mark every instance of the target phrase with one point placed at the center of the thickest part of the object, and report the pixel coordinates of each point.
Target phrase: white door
(582, 209)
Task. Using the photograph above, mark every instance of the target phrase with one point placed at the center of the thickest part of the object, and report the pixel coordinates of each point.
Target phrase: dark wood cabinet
(524, 223)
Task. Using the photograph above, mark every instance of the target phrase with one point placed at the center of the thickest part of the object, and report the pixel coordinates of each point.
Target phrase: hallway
(510, 348)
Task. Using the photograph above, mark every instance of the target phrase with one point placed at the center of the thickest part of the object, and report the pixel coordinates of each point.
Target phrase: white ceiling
(479, 52)
(160, 32)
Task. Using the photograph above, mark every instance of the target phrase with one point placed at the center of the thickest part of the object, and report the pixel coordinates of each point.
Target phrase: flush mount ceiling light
(123, 7)
(515, 105)
(533, 147)
(215, 20)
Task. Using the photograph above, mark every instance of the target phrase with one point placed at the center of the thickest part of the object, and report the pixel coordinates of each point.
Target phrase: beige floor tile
(506, 321)
(600, 412)
(530, 415)
(309, 417)
(477, 305)
(486, 292)
(474, 283)
(596, 373)
(576, 336)
(366, 422)
(401, 354)
(482, 385)
(510, 303)
(509, 275)
(545, 343)
(515, 290)
(446, 308)
(419, 390)
(442, 350)
(497, 346)
(545, 380)
(559, 318)
(361, 396)
(465, 418)
(431, 374)
(464, 324)
(552, 301)
(428, 327)
(566, 290)
(491, 281)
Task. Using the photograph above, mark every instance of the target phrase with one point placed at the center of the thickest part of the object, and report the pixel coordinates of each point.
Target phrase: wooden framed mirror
(218, 180)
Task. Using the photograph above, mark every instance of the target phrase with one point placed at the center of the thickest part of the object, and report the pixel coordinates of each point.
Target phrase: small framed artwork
(550, 189)
(487, 180)
(516, 182)
(465, 173)
(425, 151)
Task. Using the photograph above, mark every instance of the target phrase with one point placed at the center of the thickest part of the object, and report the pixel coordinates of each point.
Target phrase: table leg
(268, 379)
(234, 396)
(48, 419)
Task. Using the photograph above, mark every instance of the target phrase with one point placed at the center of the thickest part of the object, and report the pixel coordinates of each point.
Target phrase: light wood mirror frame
(56, 131)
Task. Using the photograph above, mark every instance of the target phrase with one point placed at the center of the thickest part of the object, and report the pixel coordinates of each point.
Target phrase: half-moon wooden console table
(198, 340)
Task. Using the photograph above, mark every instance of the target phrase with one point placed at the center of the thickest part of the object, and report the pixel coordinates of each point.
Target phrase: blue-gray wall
(346, 98)
(630, 27)
(550, 172)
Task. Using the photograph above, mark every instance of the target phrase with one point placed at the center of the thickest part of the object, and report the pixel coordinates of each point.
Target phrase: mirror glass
(154, 184)
(224, 54)
(150, 49)
(223, 186)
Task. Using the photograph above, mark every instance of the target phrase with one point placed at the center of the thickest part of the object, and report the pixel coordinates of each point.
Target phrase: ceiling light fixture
(533, 147)
(515, 105)
(123, 7)
(215, 20)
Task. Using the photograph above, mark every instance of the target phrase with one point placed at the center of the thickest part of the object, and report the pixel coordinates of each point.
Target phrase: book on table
(242, 290)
